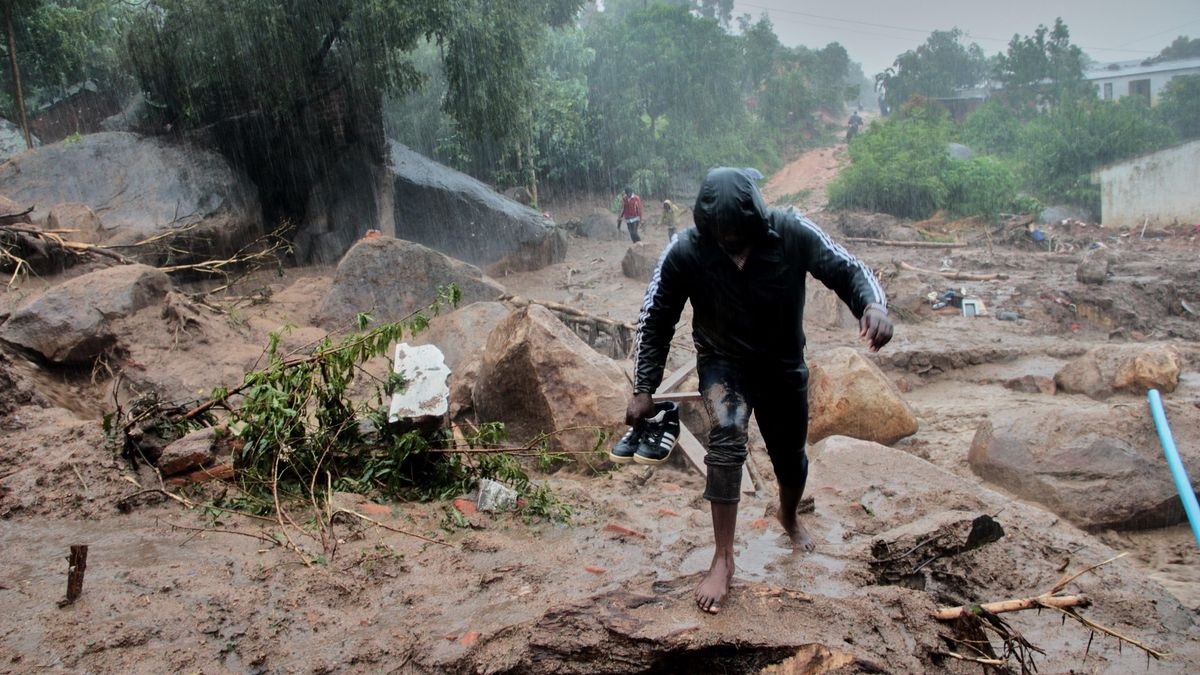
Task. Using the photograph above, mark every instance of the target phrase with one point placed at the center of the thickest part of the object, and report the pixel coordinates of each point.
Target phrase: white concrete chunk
(428, 390)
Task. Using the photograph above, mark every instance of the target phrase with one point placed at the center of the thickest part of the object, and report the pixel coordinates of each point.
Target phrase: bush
(1179, 106)
(992, 129)
(1060, 149)
(982, 186)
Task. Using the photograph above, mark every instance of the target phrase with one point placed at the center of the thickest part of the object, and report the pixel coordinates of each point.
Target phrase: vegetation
(1038, 138)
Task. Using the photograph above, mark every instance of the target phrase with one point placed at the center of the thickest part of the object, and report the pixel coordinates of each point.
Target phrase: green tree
(1061, 149)
(898, 166)
(992, 129)
(1041, 69)
(935, 69)
(1182, 48)
(1179, 107)
(51, 45)
(282, 87)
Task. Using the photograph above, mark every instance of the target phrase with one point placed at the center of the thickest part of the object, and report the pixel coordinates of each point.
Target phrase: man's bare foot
(801, 539)
(715, 586)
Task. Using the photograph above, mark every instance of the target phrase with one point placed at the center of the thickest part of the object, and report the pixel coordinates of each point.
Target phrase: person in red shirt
(631, 213)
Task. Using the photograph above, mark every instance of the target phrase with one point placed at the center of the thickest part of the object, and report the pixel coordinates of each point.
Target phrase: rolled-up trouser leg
(781, 410)
(723, 392)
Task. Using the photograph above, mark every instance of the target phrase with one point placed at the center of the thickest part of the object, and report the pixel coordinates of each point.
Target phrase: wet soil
(430, 589)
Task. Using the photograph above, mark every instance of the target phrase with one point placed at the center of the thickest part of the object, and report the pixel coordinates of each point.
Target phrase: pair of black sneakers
(653, 441)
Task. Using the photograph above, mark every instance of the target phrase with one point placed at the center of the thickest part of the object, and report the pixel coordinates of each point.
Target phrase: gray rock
(850, 396)
(73, 322)
(538, 377)
(81, 222)
(12, 140)
(1093, 269)
(463, 332)
(193, 451)
(462, 217)
(392, 278)
(1093, 467)
(959, 151)
(600, 225)
(142, 187)
(639, 261)
(1135, 369)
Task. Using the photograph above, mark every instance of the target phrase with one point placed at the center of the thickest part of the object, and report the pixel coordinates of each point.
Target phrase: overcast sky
(874, 32)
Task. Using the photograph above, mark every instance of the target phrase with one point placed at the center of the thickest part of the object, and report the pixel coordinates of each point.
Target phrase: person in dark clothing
(743, 267)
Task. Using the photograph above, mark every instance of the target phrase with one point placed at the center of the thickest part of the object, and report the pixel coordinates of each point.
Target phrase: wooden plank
(671, 381)
(678, 396)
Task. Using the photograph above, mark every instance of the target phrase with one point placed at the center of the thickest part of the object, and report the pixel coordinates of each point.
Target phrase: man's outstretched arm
(661, 307)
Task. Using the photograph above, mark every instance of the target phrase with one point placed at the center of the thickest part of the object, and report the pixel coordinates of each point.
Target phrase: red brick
(373, 509)
(670, 487)
(758, 524)
(623, 531)
(469, 638)
(214, 472)
(595, 570)
(465, 506)
(664, 511)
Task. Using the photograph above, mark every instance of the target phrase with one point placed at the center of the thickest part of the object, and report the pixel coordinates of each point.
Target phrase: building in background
(1138, 78)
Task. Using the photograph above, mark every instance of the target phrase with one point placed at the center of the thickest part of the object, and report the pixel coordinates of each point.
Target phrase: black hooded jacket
(752, 316)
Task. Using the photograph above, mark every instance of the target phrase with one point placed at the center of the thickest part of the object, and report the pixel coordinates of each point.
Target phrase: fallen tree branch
(1055, 602)
(389, 528)
(954, 275)
(907, 244)
(1092, 625)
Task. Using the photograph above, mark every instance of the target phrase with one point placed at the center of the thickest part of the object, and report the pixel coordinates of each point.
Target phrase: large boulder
(1109, 369)
(538, 377)
(640, 261)
(73, 321)
(447, 210)
(463, 332)
(78, 221)
(823, 308)
(392, 278)
(1097, 466)
(12, 140)
(850, 396)
(142, 187)
(597, 225)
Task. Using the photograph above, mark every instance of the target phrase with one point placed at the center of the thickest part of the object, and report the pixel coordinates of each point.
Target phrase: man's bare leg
(715, 586)
(789, 501)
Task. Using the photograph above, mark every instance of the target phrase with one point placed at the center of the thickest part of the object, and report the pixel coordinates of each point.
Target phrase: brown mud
(171, 589)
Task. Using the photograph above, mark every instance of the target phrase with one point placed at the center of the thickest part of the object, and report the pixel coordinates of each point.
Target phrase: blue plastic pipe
(1182, 484)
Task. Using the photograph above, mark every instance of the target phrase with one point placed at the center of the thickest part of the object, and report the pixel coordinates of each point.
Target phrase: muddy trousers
(779, 402)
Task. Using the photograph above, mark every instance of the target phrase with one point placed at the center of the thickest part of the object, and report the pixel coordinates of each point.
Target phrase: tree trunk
(531, 171)
(12, 57)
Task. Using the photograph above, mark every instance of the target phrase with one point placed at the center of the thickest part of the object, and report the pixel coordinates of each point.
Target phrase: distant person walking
(670, 218)
(631, 213)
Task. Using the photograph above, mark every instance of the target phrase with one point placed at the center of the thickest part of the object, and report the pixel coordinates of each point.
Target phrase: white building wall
(1162, 188)
(1120, 85)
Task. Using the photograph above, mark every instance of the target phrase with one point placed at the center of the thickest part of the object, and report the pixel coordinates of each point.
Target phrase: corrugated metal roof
(1128, 68)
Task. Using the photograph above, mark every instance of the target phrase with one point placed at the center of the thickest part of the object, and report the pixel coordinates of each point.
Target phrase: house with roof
(1145, 79)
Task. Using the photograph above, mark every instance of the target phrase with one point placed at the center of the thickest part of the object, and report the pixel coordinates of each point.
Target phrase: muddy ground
(174, 589)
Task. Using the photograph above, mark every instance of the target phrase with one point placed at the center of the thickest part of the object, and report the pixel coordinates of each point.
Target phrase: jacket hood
(730, 196)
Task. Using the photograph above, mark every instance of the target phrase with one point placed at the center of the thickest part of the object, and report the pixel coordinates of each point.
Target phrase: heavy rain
(634, 336)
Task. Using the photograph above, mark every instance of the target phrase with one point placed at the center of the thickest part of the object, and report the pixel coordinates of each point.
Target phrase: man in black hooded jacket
(743, 267)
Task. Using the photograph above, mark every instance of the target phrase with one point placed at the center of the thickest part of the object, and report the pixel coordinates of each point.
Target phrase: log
(957, 276)
(76, 566)
(1054, 601)
(908, 244)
